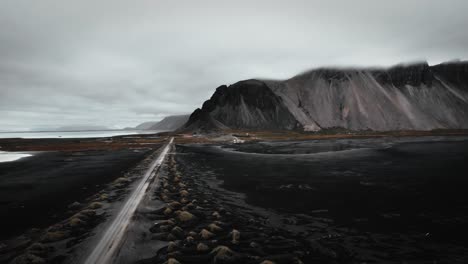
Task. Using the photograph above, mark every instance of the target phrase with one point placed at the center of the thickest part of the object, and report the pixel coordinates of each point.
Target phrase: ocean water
(6, 156)
(74, 134)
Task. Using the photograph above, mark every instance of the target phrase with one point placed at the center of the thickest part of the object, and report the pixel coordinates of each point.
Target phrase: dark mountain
(405, 97)
(247, 104)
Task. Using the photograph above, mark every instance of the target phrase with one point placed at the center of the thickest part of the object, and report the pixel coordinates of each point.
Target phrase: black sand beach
(357, 200)
(35, 191)
(51, 200)
(371, 200)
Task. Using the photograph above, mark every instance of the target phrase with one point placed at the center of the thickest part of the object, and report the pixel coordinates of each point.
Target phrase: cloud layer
(119, 63)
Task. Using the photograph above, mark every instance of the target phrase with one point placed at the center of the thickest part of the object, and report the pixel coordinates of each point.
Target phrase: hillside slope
(404, 97)
(170, 123)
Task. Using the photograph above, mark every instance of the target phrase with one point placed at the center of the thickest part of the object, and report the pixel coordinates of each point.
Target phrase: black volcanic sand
(201, 223)
(373, 200)
(35, 191)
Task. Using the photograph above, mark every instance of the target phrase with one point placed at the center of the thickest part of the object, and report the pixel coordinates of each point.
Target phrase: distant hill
(81, 128)
(405, 97)
(146, 125)
(170, 123)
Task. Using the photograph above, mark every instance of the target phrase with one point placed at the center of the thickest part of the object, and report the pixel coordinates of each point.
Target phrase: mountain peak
(403, 97)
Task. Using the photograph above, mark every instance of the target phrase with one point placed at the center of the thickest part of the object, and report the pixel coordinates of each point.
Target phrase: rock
(85, 214)
(184, 200)
(185, 217)
(223, 254)
(174, 254)
(201, 247)
(28, 259)
(214, 228)
(159, 236)
(221, 210)
(156, 226)
(171, 237)
(189, 206)
(178, 232)
(235, 234)
(189, 240)
(172, 261)
(174, 205)
(172, 246)
(192, 234)
(164, 228)
(205, 234)
(38, 249)
(297, 261)
(164, 198)
(95, 205)
(54, 236)
(75, 205)
(76, 222)
(267, 262)
(216, 215)
(167, 211)
(184, 193)
(104, 197)
(254, 244)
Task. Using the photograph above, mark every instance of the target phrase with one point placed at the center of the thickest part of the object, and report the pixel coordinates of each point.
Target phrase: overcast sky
(119, 63)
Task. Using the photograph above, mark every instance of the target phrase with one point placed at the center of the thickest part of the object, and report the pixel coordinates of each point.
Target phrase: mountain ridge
(403, 97)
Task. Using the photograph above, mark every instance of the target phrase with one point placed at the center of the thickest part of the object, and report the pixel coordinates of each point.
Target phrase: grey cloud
(119, 63)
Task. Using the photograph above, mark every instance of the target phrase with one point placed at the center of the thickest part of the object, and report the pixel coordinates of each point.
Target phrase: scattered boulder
(28, 259)
(214, 228)
(201, 247)
(171, 237)
(38, 249)
(172, 261)
(104, 197)
(185, 217)
(175, 205)
(167, 211)
(189, 240)
(177, 232)
(172, 246)
(205, 234)
(95, 205)
(254, 244)
(223, 254)
(235, 234)
(216, 215)
(74, 206)
(76, 222)
(53, 236)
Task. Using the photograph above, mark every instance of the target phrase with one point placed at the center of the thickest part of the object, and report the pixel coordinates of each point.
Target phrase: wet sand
(62, 191)
(371, 200)
(35, 191)
(356, 201)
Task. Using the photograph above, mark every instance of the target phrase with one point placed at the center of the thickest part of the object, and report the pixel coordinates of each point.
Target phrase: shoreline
(65, 176)
(198, 211)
